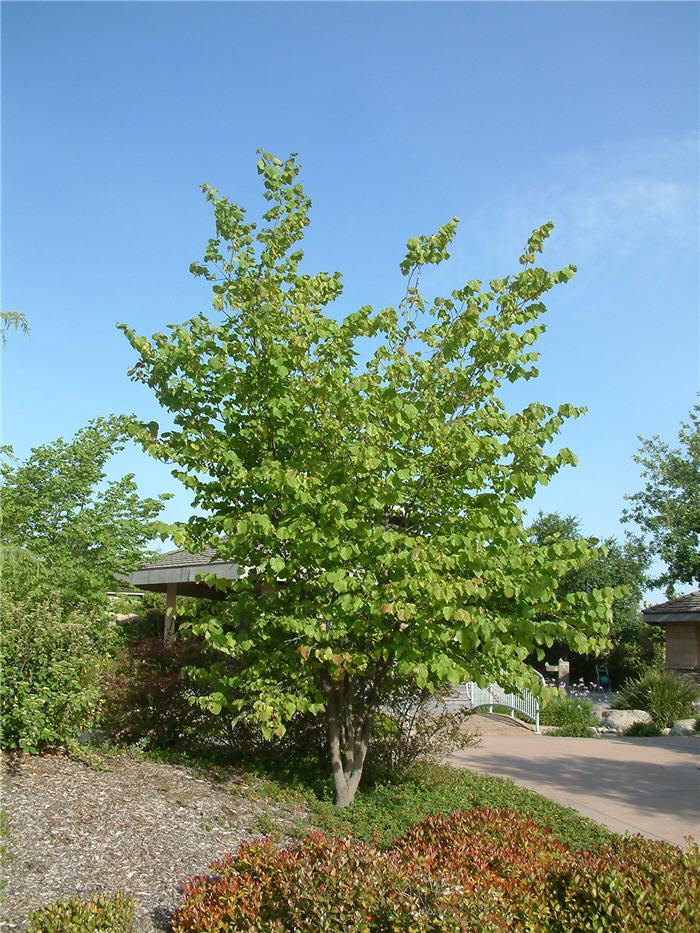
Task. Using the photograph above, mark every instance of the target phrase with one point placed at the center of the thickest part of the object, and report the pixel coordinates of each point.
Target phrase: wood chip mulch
(141, 827)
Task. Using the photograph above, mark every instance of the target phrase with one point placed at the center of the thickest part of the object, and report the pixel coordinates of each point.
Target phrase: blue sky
(403, 114)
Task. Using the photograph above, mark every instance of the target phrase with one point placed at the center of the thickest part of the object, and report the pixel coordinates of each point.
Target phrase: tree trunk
(349, 719)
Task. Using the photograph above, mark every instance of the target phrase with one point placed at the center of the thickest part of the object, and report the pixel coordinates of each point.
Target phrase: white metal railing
(523, 702)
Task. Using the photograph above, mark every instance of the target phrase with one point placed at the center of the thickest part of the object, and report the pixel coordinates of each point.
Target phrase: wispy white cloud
(620, 199)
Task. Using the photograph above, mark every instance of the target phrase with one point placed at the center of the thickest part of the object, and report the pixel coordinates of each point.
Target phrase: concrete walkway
(637, 785)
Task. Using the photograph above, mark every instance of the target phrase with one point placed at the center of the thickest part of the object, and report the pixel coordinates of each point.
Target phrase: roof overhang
(680, 609)
(185, 577)
(663, 618)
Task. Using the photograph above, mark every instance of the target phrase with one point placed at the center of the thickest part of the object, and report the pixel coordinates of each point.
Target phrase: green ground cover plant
(6, 850)
(384, 811)
(478, 871)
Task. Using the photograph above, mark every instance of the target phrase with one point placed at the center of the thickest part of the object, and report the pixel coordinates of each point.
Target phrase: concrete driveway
(648, 786)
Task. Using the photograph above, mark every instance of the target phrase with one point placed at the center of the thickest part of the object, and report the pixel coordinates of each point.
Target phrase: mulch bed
(141, 827)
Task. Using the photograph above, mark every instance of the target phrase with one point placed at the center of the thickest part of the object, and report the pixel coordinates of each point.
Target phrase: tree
(12, 319)
(59, 514)
(613, 564)
(376, 508)
(667, 509)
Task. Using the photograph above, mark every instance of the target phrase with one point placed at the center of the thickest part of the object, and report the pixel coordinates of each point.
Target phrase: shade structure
(182, 568)
(175, 574)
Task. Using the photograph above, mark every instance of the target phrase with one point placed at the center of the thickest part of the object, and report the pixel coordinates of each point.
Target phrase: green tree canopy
(622, 565)
(667, 509)
(76, 529)
(376, 508)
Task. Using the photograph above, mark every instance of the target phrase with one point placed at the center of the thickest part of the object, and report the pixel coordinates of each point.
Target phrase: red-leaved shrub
(476, 871)
(147, 696)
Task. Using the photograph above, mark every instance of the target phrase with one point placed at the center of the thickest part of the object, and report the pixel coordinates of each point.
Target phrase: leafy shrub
(479, 870)
(573, 731)
(666, 696)
(643, 730)
(568, 711)
(414, 726)
(147, 696)
(96, 915)
(52, 663)
(302, 748)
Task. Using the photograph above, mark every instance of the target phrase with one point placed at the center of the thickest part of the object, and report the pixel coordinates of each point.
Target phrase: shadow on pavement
(645, 775)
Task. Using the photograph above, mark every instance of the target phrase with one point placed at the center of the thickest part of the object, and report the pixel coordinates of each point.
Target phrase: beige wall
(683, 645)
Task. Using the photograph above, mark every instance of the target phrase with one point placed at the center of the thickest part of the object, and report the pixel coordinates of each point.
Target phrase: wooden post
(170, 611)
(564, 672)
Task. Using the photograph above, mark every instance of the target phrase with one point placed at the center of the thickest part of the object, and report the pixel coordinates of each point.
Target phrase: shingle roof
(681, 609)
(181, 558)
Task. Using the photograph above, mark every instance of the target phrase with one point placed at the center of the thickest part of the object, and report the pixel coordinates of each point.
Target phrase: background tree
(613, 564)
(65, 532)
(14, 320)
(376, 508)
(75, 529)
(667, 509)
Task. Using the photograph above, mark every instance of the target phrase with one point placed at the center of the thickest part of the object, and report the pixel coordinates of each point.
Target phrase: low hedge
(98, 914)
(147, 696)
(477, 871)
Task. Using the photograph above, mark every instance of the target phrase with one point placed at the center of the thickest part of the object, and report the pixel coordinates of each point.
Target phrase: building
(680, 618)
